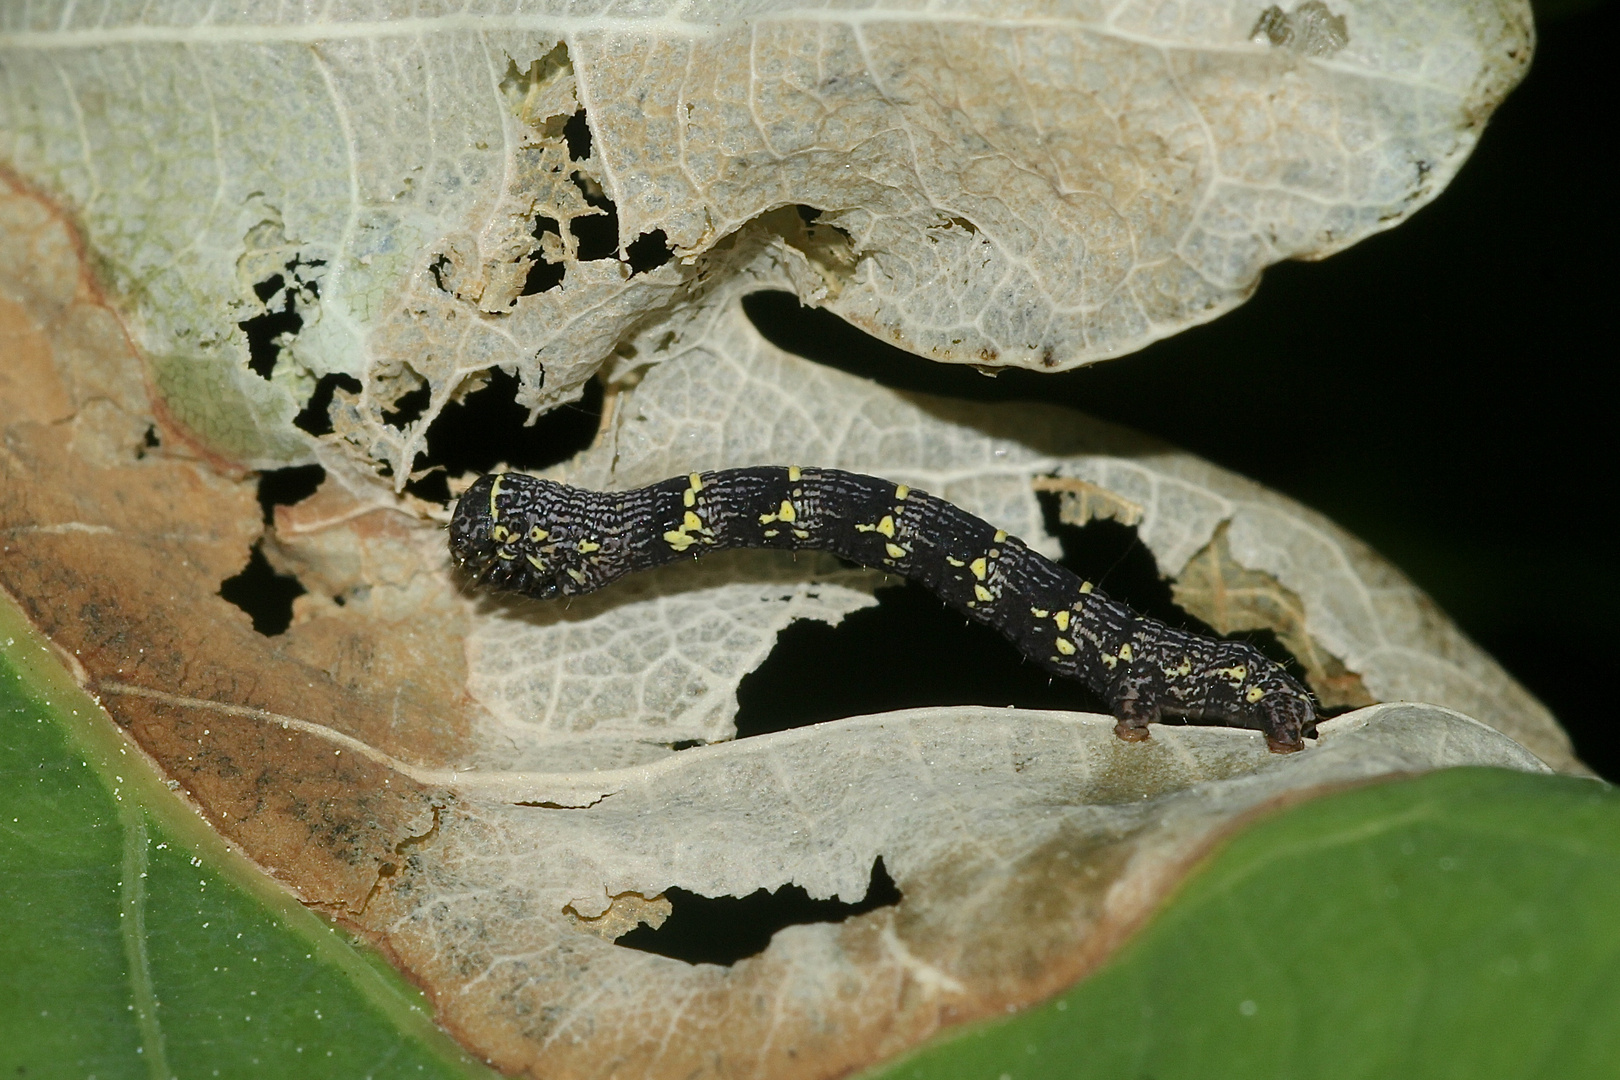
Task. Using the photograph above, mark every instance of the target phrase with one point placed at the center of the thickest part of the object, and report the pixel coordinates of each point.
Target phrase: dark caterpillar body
(543, 539)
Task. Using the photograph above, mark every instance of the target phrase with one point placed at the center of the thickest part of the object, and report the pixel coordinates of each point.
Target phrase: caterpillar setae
(543, 539)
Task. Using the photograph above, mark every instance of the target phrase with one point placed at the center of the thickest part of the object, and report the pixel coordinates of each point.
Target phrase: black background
(1444, 390)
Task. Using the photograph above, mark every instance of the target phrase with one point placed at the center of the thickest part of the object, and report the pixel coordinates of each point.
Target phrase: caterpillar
(521, 534)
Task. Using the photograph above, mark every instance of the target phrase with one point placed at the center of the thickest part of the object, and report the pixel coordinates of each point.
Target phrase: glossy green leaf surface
(135, 944)
(1462, 924)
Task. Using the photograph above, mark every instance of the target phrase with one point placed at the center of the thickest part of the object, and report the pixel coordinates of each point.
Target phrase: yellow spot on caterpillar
(577, 575)
(982, 593)
(500, 534)
(784, 513)
(771, 532)
(502, 553)
(1125, 652)
(692, 523)
(801, 534)
(695, 481)
(978, 567)
(536, 563)
(954, 562)
(1062, 620)
(1184, 669)
(901, 491)
(886, 526)
(1000, 535)
(537, 534)
(494, 490)
(689, 497)
(1085, 586)
(894, 550)
(1108, 658)
(793, 473)
(1236, 673)
(1039, 613)
(1064, 646)
(1254, 695)
(586, 547)
(678, 540)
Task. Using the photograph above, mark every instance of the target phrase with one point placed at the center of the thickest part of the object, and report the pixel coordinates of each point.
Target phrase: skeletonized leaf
(421, 199)
(490, 790)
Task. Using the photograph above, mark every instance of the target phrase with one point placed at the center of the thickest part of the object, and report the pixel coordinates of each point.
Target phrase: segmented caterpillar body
(544, 539)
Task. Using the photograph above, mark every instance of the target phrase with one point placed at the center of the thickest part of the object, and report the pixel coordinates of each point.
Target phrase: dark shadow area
(485, 429)
(1443, 390)
(265, 595)
(725, 929)
(284, 487)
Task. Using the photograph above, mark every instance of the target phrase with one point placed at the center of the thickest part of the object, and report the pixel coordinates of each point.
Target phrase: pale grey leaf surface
(1034, 184)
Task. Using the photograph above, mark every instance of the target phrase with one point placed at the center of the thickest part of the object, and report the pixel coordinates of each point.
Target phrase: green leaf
(137, 944)
(1462, 924)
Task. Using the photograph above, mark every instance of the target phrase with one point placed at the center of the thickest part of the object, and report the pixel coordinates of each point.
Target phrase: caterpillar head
(517, 533)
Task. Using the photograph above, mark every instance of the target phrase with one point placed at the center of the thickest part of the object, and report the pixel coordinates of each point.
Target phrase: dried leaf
(471, 782)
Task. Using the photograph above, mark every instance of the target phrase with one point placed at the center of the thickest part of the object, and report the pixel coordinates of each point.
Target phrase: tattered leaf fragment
(531, 188)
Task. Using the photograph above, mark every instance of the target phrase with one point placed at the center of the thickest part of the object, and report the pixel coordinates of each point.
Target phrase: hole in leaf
(911, 651)
(543, 275)
(317, 415)
(149, 442)
(577, 132)
(485, 429)
(648, 251)
(284, 487)
(906, 652)
(265, 595)
(597, 236)
(409, 407)
(265, 332)
(437, 269)
(725, 929)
